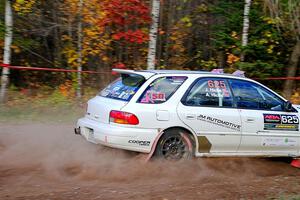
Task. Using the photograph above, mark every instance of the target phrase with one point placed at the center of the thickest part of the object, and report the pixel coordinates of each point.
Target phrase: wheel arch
(185, 130)
(191, 134)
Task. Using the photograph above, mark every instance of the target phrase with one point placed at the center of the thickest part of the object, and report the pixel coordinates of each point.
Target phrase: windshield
(124, 87)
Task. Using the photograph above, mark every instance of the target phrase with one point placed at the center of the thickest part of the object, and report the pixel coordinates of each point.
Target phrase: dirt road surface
(47, 161)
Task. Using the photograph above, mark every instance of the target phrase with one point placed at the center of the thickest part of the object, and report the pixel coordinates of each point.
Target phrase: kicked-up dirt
(47, 161)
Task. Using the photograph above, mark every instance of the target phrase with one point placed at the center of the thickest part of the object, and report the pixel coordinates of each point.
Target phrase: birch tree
(7, 49)
(153, 34)
(246, 24)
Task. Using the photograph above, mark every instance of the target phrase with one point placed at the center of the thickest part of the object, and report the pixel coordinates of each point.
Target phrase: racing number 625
(289, 119)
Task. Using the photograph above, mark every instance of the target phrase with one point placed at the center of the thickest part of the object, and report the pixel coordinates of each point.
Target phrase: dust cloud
(54, 158)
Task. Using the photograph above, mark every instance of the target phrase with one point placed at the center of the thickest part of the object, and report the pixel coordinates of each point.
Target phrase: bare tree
(7, 49)
(245, 27)
(153, 34)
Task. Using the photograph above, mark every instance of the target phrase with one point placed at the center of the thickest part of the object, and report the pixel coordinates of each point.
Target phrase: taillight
(120, 117)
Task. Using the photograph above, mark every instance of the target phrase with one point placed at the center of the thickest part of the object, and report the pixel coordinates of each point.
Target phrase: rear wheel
(174, 145)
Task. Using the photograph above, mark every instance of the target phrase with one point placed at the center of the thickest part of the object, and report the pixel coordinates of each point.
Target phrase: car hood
(297, 107)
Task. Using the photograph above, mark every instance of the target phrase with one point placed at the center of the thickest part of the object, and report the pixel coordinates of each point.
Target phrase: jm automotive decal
(219, 122)
(281, 122)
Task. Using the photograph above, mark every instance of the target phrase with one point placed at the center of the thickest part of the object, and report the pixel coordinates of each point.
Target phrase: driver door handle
(250, 120)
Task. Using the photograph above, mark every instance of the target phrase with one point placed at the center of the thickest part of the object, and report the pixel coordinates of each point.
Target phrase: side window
(161, 89)
(209, 92)
(252, 96)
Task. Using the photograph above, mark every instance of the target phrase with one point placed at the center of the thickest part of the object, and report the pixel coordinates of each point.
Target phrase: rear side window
(209, 92)
(124, 87)
(161, 89)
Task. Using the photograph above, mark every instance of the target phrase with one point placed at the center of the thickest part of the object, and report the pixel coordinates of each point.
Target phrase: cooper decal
(139, 142)
(219, 122)
(281, 122)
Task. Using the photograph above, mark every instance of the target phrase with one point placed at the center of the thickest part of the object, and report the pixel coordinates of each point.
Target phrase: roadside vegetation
(44, 105)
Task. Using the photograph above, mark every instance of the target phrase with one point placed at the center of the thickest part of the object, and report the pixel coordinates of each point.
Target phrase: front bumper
(129, 138)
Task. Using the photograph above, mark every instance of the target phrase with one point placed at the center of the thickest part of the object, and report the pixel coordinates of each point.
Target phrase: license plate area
(91, 134)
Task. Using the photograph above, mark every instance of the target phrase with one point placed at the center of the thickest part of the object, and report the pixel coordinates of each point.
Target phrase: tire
(174, 145)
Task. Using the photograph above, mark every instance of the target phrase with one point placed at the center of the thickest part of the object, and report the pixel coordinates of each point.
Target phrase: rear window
(161, 89)
(124, 87)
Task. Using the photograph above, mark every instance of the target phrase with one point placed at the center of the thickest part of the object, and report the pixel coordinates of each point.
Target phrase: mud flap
(154, 146)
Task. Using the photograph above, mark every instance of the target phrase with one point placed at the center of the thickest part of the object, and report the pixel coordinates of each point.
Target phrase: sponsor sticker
(139, 142)
(154, 96)
(281, 122)
(275, 142)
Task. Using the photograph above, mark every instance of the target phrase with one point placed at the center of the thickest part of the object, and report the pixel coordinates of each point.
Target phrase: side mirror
(288, 106)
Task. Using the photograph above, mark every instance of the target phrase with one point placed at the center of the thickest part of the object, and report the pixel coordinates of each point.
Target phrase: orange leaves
(67, 89)
(231, 59)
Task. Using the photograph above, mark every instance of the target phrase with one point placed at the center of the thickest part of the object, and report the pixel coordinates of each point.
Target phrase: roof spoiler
(145, 74)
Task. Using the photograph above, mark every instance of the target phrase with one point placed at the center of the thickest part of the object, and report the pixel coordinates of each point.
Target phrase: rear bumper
(129, 138)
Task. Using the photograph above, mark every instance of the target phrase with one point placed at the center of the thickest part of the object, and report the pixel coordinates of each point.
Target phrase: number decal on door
(289, 119)
(281, 122)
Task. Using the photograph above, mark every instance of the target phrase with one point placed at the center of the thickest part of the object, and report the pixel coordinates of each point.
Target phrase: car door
(207, 108)
(266, 127)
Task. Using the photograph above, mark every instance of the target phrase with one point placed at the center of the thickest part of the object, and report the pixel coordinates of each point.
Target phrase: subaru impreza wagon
(180, 114)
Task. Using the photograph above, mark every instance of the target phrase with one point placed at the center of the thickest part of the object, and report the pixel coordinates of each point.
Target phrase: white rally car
(180, 114)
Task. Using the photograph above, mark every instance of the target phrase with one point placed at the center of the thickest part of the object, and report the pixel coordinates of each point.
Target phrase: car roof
(148, 73)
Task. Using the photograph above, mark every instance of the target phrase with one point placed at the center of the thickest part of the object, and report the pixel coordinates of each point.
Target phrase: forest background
(192, 35)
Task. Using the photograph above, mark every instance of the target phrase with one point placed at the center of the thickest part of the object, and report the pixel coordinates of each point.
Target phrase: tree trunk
(7, 49)
(245, 27)
(153, 34)
(292, 70)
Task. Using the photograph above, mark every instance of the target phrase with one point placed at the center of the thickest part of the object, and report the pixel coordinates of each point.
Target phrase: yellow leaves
(234, 35)
(173, 38)
(231, 59)
(23, 6)
(16, 49)
(71, 55)
(66, 38)
(105, 58)
(262, 41)
(272, 21)
(296, 97)
(187, 21)
(270, 49)
(267, 34)
(95, 41)
(208, 64)
(202, 8)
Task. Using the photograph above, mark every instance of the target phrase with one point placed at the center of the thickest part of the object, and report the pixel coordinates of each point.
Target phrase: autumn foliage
(127, 17)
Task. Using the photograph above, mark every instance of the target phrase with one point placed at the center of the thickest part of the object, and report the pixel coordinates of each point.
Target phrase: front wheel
(174, 145)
